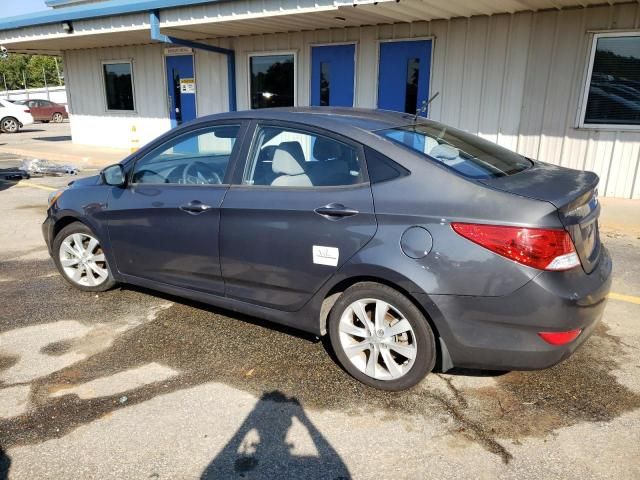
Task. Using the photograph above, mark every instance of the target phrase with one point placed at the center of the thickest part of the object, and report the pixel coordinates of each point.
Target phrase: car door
(37, 111)
(163, 226)
(301, 207)
(47, 109)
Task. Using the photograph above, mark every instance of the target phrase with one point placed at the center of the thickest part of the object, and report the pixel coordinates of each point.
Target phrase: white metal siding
(515, 79)
(90, 121)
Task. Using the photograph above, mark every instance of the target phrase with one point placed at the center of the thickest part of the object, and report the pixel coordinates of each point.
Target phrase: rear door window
(284, 157)
(463, 152)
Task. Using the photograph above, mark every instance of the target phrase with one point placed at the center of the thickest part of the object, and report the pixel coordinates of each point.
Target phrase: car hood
(85, 182)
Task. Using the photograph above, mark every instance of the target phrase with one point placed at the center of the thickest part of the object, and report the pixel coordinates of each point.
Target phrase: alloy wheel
(378, 339)
(57, 117)
(10, 125)
(83, 260)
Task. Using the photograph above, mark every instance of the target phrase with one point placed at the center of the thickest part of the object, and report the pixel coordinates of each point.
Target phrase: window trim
(238, 180)
(133, 86)
(356, 45)
(586, 84)
(194, 132)
(269, 54)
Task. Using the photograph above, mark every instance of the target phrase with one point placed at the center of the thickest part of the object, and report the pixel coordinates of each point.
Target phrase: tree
(14, 65)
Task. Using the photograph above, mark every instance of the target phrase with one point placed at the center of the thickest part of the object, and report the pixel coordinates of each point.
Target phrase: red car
(45, 110)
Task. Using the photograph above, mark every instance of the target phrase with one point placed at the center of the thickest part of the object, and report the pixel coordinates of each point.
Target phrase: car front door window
(199, 157)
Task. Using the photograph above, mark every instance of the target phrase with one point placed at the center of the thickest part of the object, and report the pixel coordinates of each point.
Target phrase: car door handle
(195, 207)
(335, 211)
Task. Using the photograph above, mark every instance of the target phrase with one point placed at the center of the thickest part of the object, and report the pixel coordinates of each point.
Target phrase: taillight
(535, 247)
(560, 338)
(27, 111)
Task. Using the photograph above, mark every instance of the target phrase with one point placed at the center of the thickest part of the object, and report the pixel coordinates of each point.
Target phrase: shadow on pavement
(60, 138)
(5, 464)
(259, 448)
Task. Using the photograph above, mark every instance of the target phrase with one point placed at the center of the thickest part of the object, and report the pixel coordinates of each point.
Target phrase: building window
(272, 80)
(118, 82)
(613, 95)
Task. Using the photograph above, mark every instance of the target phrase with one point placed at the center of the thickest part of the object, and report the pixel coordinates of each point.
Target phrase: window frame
(586, 85)
(154, 149)
(133, 86)
(271, 53)
(252, 145)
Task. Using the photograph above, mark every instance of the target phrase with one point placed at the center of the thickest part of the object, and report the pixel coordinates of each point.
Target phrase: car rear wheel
(57, 117)
(9, 125)
(381, 338)
(81, 260)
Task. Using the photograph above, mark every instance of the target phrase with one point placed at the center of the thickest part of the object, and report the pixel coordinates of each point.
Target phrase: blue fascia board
(94, 10)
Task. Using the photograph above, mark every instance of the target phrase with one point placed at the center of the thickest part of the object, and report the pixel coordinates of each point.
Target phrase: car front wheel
(9, 125)
(57, 117)
(81, 260)
(381, 338)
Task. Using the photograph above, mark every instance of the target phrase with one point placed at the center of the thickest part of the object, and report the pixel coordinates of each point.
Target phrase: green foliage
(32, 65)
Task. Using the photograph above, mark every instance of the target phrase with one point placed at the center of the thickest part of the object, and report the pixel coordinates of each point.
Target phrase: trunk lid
(572, 192)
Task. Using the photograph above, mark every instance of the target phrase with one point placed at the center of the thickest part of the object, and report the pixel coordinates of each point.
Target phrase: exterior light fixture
(67, 27)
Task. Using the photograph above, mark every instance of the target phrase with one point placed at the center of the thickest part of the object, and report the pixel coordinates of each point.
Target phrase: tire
(57, 117)
(371, 357)
(10, 125)
(84, 268)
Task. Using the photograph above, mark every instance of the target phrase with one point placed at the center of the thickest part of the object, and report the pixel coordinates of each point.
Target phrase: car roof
(340, 120)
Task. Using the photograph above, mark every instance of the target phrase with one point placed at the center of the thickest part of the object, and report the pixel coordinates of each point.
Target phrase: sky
(11, 8)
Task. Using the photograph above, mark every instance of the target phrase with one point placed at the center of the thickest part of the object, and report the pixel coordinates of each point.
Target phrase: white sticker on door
(326, 255)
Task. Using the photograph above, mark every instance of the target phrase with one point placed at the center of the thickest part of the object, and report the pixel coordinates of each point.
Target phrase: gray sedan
(413, 245)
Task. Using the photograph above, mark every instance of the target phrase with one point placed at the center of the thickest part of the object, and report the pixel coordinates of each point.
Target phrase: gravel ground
(135, 384)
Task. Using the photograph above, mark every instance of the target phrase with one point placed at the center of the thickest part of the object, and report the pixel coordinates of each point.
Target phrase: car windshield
(463, 152)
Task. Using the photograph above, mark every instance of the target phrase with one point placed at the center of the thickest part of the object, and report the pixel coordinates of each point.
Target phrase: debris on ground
(45, 167)
(13, 174)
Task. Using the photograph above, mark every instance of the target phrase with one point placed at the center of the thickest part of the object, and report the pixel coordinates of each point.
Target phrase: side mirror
(113, 175)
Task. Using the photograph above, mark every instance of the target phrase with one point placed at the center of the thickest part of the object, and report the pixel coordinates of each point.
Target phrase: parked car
(413, 245)
(45, 110)
(13, 117)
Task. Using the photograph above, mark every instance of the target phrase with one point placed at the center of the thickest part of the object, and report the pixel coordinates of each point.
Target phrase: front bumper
(501, 333)
(47, 232)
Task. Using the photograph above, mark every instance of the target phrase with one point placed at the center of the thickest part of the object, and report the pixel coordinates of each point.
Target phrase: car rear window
(463, 152)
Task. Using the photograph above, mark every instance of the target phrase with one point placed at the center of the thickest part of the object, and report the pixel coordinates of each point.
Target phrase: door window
(196, 158)
(292, 158)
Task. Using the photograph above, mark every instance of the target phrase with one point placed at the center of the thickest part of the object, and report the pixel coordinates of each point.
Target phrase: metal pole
(4, 77)
(24, 78)
(58, 70)
(46, 87)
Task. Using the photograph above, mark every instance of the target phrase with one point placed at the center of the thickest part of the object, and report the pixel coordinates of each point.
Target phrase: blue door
(332, 75)
(403, 78)
(182, 89)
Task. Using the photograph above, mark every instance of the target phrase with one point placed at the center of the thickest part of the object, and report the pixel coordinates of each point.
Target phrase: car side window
(200, 157)
(285, 157)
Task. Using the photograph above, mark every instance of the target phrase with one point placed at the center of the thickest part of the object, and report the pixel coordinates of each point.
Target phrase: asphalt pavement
(134, 384)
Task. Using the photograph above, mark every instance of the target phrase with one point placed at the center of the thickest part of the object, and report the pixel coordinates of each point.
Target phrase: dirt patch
(7, 362)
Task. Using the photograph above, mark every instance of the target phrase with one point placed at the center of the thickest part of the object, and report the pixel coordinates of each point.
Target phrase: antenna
(424, 106)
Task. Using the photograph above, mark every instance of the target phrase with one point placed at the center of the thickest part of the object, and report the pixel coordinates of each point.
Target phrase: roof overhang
(120, 22)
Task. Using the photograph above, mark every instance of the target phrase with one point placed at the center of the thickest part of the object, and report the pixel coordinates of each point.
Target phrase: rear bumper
(502, 332)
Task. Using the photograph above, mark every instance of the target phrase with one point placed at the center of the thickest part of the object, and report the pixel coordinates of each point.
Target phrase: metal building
(557, 80)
